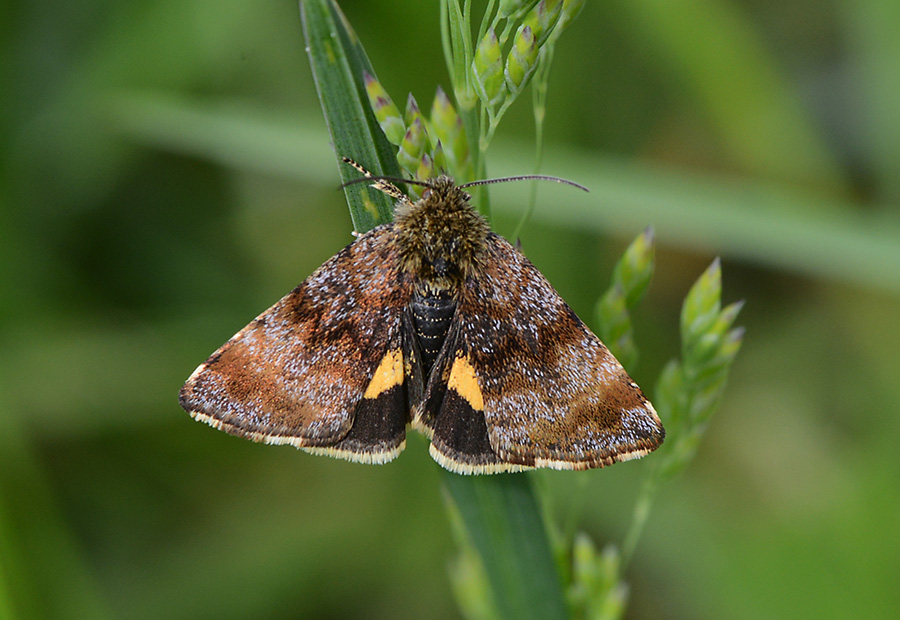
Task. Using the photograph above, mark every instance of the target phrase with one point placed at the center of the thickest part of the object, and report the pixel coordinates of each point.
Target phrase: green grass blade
(338, 62)
(503, 522)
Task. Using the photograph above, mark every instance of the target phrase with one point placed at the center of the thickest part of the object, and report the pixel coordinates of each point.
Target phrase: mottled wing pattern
(322, 369)
(553, 395)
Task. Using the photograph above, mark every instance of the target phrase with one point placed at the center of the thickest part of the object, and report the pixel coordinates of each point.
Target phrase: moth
(432, 321)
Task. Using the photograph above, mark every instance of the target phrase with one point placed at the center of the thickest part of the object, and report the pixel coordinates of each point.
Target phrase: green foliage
(487, 70)
(494, 71)
(630, 280)
(422, 141)
(597, 591)
(522, 59)
(689, 390)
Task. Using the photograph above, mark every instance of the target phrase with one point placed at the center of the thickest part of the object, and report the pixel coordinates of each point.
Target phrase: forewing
(323, 368)
(553, 394)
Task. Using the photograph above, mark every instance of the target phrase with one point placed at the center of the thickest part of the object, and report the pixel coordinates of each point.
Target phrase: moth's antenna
(525, 177)
(386, 179)
(386, 183)
(383, 184)
(358, 166)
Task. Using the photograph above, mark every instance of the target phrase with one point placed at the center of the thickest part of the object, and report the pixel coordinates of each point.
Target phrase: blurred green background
(166, 175)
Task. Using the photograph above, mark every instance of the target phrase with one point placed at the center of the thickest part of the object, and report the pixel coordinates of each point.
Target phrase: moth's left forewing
(553, 394)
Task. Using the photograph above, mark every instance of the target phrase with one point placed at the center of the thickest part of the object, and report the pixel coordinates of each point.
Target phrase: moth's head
(440, 235)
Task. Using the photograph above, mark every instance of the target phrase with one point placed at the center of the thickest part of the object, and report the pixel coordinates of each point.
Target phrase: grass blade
(338, 62)
(503, 522)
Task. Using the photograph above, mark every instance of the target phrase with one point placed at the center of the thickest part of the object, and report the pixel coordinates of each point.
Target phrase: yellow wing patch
(463, 380)
(388, 374)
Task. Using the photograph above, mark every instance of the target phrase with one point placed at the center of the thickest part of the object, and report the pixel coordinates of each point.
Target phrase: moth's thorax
(441, 237)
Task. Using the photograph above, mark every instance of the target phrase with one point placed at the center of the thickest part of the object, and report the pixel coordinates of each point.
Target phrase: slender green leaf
(503, 521)
(339, 63)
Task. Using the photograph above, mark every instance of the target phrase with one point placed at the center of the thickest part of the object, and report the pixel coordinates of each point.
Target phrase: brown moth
(434, 321)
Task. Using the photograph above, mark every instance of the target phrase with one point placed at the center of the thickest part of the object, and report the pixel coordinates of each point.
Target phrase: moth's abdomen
(431, 316)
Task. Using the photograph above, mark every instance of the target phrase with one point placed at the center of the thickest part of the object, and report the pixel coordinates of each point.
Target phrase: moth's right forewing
(298, 372)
